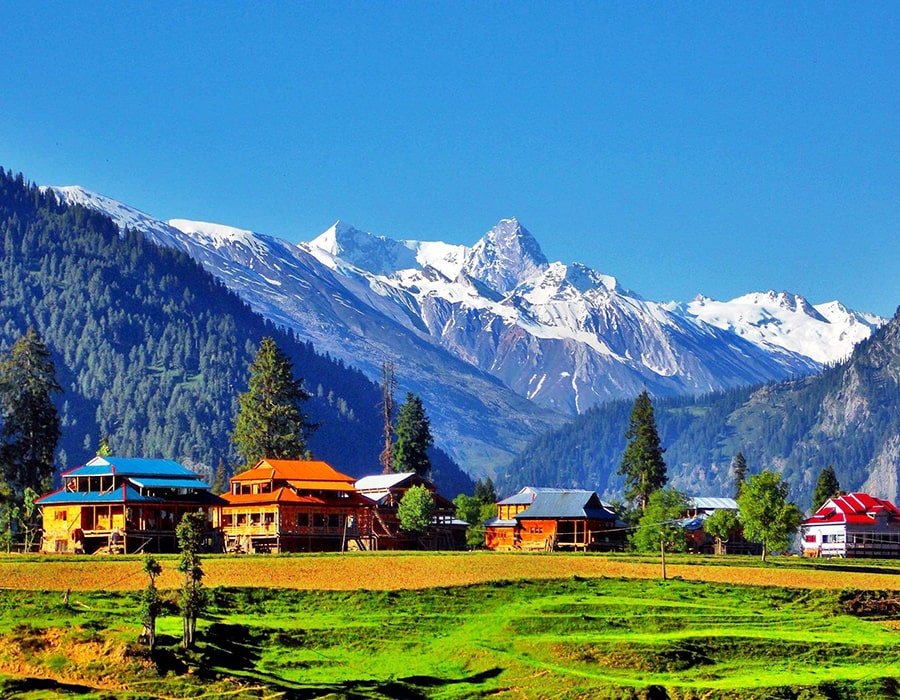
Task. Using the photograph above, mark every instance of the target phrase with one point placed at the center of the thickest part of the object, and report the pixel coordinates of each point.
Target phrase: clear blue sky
(691, 147)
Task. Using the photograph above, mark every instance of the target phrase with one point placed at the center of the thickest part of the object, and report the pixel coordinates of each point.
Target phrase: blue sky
(696, 147)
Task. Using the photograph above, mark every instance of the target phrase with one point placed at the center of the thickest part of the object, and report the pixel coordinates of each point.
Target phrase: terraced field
(574, 638)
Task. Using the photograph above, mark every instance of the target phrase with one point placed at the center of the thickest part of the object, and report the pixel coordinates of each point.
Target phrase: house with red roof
(291, 506)
(852, 525)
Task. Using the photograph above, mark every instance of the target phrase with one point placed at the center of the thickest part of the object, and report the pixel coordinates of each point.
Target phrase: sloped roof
(120, 495)
(286, 495)
(856, 508)
(382, 482)
(557, 504)
(150, 482)
(289, 469)
(132, 466)
(712, 503)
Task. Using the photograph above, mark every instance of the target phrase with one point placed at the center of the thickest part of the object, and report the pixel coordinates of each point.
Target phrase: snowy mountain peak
(378, 255)
(505, 257)
(216, 235)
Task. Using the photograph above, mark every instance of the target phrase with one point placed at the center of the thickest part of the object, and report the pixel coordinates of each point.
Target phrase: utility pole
(388, 385)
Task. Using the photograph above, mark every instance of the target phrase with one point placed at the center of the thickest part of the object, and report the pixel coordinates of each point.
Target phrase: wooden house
(124, 505)
(379, 527)
(852, 525)
(291, 506)
(547, 518)
(698, 510)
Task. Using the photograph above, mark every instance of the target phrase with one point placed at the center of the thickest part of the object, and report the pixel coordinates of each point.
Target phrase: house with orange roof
(291, 506)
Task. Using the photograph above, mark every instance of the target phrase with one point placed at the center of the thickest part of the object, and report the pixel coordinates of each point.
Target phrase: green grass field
(573, 638)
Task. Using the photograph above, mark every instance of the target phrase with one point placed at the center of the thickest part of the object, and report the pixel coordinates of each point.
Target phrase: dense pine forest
(152, 351)
(848, 416)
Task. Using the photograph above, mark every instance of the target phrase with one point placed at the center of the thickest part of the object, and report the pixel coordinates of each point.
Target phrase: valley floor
(575, 635)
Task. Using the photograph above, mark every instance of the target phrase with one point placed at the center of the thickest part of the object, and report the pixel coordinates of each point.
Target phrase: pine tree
(388, 385)
(642, 463)
(30, 422)
(220, 478)
(269, 421)
(826, 486)
(739, 471)
(413, 438)
(103, 449)
(485, 492)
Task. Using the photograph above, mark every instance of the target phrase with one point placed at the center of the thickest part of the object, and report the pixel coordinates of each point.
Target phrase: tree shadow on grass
(16, 687)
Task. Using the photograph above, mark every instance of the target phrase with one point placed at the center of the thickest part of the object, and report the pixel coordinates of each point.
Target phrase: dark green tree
(416, 509)
(659, 526)
(190, 533)
(766, 515)
(30, 422)
(722, 525)
(475, 512)
(270, 421)
(826, 486)
(642, 462)
(151, 603)
(739, 472)
(485, 491)
(220, 478)
(413, 438)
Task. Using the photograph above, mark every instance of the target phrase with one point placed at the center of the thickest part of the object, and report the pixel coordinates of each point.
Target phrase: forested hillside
(151, 350)
(848, 416)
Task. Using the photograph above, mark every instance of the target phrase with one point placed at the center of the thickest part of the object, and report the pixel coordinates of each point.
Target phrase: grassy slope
(569, 638)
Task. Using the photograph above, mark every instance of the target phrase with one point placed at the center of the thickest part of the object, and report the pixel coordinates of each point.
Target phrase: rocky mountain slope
(848, 416)
(499, 341)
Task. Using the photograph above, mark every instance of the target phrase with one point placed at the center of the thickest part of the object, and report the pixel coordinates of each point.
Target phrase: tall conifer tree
(739, 471)
(270, 421)
(642, 463)
(827, 485)
(30, 421)
(413, 438)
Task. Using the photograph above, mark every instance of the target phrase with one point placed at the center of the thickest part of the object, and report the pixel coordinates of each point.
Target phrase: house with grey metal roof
(553, 518)
(124, 504)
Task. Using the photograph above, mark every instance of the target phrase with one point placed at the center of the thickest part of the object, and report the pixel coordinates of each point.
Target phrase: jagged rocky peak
(376, 254)
(505, 257)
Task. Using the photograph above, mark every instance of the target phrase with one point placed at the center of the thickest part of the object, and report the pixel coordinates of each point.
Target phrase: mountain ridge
(516, 340)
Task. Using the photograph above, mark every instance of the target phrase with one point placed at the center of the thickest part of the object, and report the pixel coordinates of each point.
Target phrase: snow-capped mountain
(499, 341)
(825, 333)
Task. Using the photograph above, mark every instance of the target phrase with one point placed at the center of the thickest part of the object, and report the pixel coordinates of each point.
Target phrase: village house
(291, 506)
(120, 504)
(698, 510)
(852, 525)
(548, 518)
(379, 527)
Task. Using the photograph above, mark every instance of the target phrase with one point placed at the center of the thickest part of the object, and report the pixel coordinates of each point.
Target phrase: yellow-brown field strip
(399, 571)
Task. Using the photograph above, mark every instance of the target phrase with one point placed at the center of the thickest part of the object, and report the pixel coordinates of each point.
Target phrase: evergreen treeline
(844, 416)
(152, 351)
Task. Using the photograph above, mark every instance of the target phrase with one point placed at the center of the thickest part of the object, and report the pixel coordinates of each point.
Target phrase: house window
(303, 520)
(318, 520)
(334, 520)
(242, 519)
(61, 515)
(268, 518)
(254, 518)
(227, 519)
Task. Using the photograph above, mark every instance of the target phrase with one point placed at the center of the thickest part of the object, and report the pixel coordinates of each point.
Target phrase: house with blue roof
(551, 518)
(123, 504)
